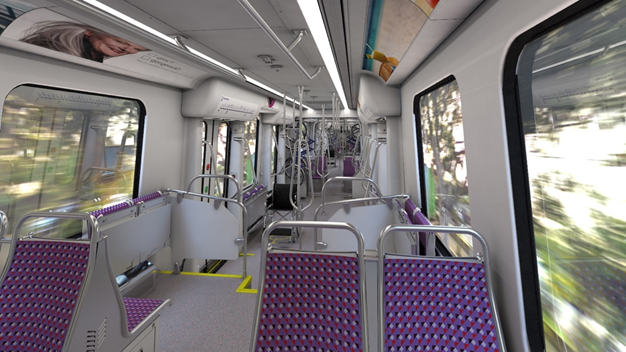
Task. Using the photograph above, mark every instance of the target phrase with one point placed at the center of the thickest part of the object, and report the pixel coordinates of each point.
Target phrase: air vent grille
(96, 337)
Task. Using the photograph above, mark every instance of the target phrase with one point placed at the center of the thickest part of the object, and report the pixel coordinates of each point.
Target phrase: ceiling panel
(223, 30)
(427, 40)
(188, 15)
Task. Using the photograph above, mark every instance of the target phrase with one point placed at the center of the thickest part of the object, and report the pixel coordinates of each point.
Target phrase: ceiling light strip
(311, 11)
(271, 90)
(195, 53)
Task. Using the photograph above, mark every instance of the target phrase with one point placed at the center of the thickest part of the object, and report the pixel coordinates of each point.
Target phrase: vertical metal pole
(300, 139)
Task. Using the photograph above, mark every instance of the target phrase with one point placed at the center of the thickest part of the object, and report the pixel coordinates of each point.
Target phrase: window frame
(518, 166)
(256, 154)
(141, 120)
(440, 247)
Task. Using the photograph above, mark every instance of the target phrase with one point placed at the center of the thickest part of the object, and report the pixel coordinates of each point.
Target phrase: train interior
(279, 175)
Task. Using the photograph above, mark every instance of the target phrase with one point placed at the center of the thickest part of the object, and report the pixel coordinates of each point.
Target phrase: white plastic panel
(218, 99)
(377, 100)
(134, 240)
(200, 231)
(276, 117)
(370, 220)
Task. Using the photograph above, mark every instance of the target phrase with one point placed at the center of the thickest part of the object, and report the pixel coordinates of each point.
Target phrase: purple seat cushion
(437, 305)
(39, 294)
(348, 168)
(137, 309)
(310, 302)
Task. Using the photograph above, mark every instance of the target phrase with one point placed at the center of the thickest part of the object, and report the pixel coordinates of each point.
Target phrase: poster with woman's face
(45, 29)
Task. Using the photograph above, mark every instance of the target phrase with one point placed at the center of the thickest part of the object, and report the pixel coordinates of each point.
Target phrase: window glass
(65, 151)
(572, 87)
(249, 153)
(445, 167)
(223, 137)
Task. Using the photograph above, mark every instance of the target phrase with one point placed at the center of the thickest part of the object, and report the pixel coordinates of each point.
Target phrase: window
(442, 150)
(66, 151)
(221, 168)
(569, 196)
(249, 152)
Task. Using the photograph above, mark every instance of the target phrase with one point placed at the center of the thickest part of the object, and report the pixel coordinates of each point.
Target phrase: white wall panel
(475, 54)
(163, 138)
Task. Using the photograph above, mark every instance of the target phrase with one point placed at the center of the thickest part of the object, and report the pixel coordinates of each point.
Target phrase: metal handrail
(257, 17)
(484, 258)
(323, 225)
(238, 195)
(371, 173)
(94, 168)
(355, 200)
(244, 215)
(120, 153)
(346, 178)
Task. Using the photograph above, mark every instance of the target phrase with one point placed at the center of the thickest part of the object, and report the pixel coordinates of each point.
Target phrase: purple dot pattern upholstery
(146, 198)
(310, 303)
(252, 192)
(137, 309)
(437, 305)
(39, 294)
(110, 209)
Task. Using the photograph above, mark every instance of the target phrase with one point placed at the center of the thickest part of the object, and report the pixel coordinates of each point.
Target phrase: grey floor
(207, 314)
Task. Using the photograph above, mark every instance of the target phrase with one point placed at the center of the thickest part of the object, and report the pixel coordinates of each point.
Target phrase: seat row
(61, 295)
(316, 301)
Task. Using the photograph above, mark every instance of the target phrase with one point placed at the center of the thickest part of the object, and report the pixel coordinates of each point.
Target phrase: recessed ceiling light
(313, 17)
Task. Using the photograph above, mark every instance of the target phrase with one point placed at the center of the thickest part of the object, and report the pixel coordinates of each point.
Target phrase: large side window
(445, 196)
(66, 151)
(249, 152)
(569, 131)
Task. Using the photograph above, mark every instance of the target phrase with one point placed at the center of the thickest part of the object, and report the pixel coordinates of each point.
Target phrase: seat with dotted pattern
(39, 294)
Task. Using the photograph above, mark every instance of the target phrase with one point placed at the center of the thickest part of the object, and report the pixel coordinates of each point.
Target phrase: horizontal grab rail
(257, 17)
(229, 177)
(346, 178)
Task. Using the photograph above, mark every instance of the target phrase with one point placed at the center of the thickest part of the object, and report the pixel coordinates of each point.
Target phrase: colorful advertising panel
(43, 28)
(392, 27)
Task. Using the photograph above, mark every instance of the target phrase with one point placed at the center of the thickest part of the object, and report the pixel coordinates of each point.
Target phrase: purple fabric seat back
(110, 209)
(252, 192)
(437, 305)
(348, 168)
(310, 302)
(39, 295)
(147, 197)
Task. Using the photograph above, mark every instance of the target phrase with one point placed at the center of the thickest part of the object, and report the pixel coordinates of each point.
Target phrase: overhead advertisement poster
(46, 30)
(392, 26)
